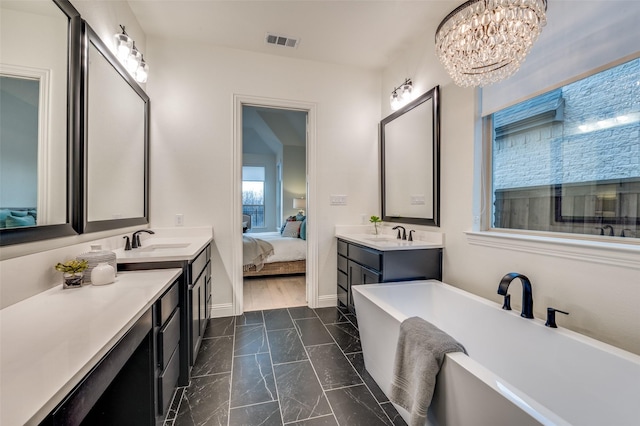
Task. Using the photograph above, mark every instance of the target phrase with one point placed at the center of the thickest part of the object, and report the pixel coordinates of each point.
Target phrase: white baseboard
(222, 310)
(327, 301)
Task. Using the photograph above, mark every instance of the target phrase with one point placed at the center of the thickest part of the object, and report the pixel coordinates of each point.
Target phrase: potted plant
(72, 272)
(375, 220)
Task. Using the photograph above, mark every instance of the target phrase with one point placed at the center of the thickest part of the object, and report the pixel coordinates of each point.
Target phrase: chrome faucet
(135, 238)
(527, 296)
(404, 231)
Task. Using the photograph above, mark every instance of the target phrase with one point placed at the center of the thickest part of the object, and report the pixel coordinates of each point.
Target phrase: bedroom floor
(284, 291)
(294, 367)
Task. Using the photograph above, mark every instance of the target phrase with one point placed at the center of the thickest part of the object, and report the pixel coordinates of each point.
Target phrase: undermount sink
(381, 239)
(167, 246)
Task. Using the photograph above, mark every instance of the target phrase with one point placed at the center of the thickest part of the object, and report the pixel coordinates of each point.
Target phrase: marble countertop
(50, 341)
(159, 249)
(387, 240)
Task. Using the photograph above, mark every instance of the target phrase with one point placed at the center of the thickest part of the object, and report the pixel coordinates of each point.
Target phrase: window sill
(608, 253)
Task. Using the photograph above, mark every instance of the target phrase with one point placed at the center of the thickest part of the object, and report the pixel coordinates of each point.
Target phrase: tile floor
(295, 366)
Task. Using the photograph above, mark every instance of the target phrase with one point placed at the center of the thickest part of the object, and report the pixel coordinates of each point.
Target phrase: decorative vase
(103, 274)
(96, 256)
(72, 279)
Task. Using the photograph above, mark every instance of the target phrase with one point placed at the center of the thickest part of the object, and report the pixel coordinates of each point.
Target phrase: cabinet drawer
(342, 296)
(364, 256)
(167, 304)
(167, 382)
(342, 248)
(343, 279)
(198, 265)
(168, 338)
(342, 264)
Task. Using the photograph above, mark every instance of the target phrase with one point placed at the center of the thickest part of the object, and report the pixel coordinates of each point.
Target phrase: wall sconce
(300, 204)
(401, 95)
(130, 56)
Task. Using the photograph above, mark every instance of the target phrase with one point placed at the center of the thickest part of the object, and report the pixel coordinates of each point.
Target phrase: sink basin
(168, 246)
(382, 239)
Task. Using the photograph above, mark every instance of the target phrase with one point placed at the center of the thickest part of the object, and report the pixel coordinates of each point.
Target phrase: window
(253, 194)
(569, 160)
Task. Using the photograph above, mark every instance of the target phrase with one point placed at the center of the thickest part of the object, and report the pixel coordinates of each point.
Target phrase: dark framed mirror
(410, 162)
(39, 119)
(115, 166)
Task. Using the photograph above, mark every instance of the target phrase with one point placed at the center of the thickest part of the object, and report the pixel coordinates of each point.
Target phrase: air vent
(280, 40)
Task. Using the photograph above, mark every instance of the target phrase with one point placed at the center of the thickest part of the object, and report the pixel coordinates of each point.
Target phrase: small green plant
(72, 266)
(375, 220)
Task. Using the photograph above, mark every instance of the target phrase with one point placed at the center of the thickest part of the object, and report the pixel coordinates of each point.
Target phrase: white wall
(294, 177)
(603, 300)
(192, 86)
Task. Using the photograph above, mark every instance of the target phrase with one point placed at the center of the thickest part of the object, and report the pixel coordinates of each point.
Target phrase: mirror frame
(432, 95)
(89, 36)
(13, 236)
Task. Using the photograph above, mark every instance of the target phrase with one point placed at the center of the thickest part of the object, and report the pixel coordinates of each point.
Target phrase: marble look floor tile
(330, 315)
(317, 421)
(357, 360)
(301, 396)
(252, 381)
(277, 319)
(355, 406)
(392, 413)
(353, 319)
(217, 327)
(250, 339)
(333, 369)
(302, 312)
(205, 402)
(286, 346)
(214, 356)
(250, 318)
(265, 414)
(346, 336)
(313, 332)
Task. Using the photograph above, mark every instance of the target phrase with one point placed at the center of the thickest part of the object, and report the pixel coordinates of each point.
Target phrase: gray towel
(419, 356)
(254, 252)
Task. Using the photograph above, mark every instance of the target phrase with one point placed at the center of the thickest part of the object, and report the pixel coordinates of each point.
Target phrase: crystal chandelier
(485, 41)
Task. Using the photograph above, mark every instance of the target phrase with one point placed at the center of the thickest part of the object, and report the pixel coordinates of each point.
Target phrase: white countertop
(387, 240)
(50, 341)
(160, 249)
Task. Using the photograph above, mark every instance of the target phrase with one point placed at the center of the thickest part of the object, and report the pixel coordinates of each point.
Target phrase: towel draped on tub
(419, 356)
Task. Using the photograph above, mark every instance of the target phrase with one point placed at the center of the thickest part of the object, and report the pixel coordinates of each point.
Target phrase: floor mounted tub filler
(518, 371)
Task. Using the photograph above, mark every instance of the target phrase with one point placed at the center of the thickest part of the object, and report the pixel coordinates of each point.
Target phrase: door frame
(311, 276)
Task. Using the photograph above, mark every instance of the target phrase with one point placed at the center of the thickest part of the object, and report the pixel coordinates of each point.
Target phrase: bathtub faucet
(527, 295)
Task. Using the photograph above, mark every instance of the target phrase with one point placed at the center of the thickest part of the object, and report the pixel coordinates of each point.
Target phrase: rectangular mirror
(115, 148)
(39, 118)
(410, 162)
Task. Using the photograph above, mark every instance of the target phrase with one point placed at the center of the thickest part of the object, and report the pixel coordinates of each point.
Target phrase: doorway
(269, 133)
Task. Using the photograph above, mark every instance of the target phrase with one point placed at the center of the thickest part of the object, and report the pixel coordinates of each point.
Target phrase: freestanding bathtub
(518, 371)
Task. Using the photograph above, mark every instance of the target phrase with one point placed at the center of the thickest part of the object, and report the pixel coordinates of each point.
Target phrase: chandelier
(485, 41)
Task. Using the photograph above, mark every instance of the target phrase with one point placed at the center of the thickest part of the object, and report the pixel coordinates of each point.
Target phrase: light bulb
(395, 100)
(406, 92)
(142, 72)
(133, 60)
(123, 44)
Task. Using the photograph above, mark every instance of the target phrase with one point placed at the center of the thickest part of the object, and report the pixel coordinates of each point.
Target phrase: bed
(289, 255)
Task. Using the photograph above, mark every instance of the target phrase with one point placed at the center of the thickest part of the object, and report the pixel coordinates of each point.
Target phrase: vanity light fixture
(300, 204)
(402, 94)
(130, 56)
(485, 41)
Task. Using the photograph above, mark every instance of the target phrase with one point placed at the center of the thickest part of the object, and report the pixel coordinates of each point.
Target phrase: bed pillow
(289, 219)
(303, 230)
(15, 221)
(292, 229)
(300, 217)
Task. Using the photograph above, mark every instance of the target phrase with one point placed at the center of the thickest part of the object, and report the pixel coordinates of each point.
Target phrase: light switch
(338, 200)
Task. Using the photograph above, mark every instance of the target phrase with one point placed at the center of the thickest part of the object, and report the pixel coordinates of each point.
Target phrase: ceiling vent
(280, 40)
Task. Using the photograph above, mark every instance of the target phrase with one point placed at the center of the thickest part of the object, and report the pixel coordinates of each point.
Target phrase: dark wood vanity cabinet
(358, 264)
(194, 299)
(167, 348)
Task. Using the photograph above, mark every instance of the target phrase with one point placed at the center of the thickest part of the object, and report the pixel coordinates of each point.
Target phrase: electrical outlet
(179, 219)
(476, 220)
